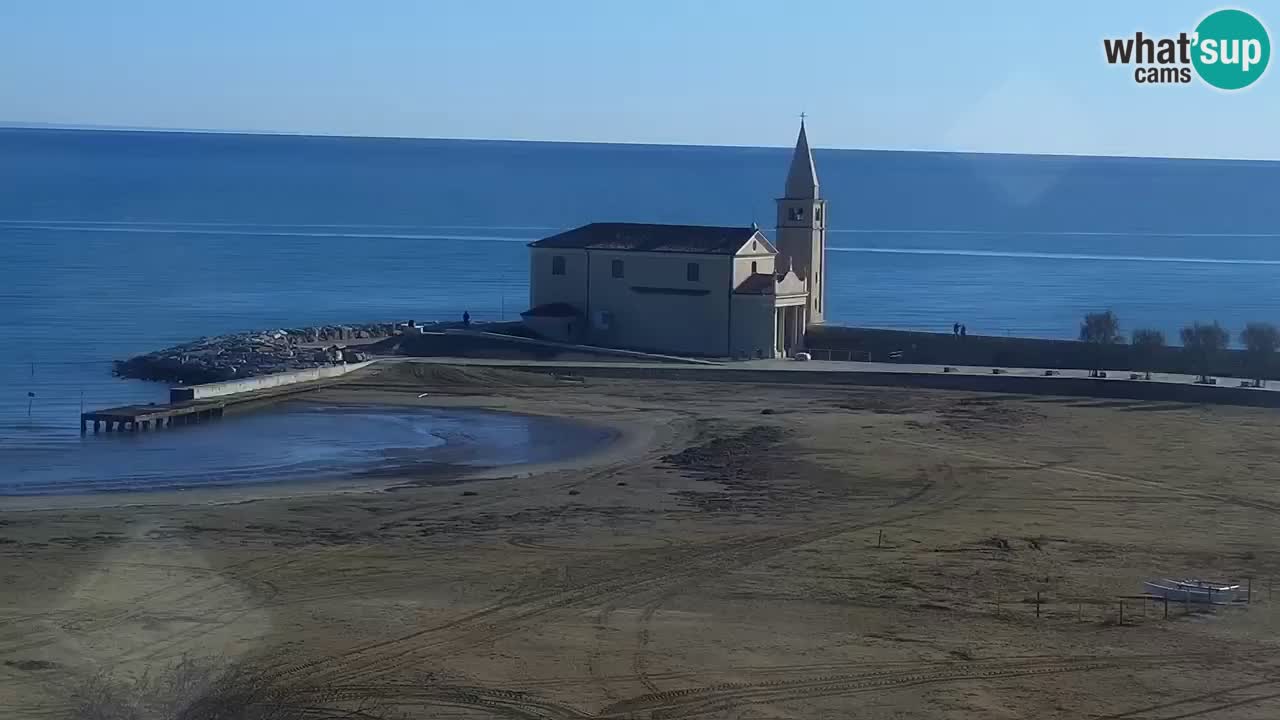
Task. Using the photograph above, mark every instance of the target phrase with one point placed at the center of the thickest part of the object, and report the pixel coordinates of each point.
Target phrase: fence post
(1037, 603)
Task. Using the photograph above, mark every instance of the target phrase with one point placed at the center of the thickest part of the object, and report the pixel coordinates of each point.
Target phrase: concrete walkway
(883, 367)
(828, 366)
(1024, 381)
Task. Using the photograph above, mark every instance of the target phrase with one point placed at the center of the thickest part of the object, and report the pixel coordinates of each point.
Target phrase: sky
(978, 75)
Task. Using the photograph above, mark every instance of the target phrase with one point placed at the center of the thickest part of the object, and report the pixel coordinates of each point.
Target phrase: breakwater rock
(242, 355)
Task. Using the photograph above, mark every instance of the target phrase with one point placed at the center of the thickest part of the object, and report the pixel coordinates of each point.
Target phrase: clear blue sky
(1001, 76)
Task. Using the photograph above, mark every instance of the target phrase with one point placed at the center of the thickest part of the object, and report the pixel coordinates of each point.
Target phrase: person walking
(466, 319)
(955, 328)
(963, 331)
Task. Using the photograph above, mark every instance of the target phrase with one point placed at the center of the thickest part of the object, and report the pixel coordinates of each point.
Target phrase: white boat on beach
(1196, 591)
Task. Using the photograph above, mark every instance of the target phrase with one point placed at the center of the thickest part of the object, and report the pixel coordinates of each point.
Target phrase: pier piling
(142, 418)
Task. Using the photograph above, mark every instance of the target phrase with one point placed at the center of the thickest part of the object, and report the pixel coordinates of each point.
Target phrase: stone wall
(995, 351)
(263, 382)
(1112, 389)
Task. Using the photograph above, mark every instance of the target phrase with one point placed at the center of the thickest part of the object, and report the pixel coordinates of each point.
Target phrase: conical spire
(802, 179)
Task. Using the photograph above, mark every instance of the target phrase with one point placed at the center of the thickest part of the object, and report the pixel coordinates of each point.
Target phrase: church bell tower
(802, 227)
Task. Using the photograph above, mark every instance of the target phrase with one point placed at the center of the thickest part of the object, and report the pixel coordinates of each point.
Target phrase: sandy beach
(739, 551)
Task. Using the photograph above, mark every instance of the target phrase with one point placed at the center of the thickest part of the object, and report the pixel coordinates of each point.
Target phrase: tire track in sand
(639, 660)
(697, 701)
(700, 700)
(1064, 469)
(1201, 698)
(189, 634)
(666, 574)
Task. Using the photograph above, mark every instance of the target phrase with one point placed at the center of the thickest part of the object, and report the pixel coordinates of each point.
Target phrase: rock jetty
(242, 355)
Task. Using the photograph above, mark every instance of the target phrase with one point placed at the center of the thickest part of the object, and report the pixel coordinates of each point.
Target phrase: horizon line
(71, 127)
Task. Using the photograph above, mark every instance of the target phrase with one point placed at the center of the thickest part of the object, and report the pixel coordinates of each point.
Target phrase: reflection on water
(291, 441)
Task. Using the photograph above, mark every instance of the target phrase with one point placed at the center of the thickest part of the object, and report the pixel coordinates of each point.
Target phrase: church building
(688, 289)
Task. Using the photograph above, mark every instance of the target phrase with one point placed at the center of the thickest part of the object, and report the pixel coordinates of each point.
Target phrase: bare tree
(1099, 330)
(193, 689)
(1260, 342)
(1203, 342)
(1146, 343)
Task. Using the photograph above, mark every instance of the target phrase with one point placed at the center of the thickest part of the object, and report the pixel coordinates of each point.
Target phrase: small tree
(1099, 330)
(1260, 342)
(1203, 342)
(1146, 343)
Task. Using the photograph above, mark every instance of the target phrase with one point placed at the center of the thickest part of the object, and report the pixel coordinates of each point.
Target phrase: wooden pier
(132, 418)
(185, 410)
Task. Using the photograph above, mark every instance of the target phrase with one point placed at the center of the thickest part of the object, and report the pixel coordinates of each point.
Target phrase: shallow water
(116, 243)
(293, 441)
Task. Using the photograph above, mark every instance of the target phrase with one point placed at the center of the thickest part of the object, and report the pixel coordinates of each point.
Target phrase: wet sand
(286, 446)
(739, 551)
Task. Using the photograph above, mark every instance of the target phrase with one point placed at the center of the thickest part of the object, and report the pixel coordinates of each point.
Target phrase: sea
(114, 243)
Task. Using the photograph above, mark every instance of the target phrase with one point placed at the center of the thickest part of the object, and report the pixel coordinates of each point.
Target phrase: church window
(795, 214)
(617, 268)
(692, 272)
(817, 214)
(753, 267)
(557, 265)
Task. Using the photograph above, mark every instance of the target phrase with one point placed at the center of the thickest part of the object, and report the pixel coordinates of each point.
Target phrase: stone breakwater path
(248, 354)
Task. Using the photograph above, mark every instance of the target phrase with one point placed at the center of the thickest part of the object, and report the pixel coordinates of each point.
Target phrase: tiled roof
(651, 238)
(558, 309)
(757, 284)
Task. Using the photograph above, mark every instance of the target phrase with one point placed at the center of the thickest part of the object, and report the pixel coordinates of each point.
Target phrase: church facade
(688, 289)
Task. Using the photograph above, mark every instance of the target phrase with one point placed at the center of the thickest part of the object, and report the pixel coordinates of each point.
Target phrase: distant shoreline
(56, 127)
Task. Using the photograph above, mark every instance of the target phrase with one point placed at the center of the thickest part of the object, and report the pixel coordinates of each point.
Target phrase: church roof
(758, 284)
(557, 309)
(642, 237)
(802, 178)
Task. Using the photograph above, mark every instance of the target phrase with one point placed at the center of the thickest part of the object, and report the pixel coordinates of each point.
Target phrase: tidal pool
(291, 442)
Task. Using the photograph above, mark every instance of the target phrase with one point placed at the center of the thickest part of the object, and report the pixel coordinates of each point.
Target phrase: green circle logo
(1232, 49)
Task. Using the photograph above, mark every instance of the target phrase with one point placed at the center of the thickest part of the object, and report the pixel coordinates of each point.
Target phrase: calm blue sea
(115, 243)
